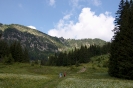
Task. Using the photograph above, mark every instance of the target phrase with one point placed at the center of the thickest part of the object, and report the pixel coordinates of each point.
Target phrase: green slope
(39, 44)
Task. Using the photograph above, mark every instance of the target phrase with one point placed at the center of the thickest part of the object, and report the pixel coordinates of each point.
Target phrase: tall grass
(20, 75)
(95, 83)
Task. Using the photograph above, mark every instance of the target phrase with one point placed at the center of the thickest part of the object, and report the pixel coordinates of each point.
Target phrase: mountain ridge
(41, 44)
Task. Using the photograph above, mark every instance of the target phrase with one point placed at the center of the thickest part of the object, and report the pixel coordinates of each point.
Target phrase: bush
(77, 64)
(32, 62)
(71, 67)
(8, 59)
(39, 63)
(106, 64)
(93, 67)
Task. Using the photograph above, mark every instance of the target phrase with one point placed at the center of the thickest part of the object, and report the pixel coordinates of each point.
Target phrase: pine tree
(13, 50)
(25, 55)
(69, 60)
(0, 34)
(17, 51)
(8, 59)
(4, 48)
(121, 62)
(113, 62)
(65, 63)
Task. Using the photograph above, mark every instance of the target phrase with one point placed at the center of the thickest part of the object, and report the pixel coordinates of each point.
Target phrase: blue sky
(74, 19)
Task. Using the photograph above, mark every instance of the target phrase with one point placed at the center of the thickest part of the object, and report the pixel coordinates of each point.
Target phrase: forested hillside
(39, 44)
(78, 55)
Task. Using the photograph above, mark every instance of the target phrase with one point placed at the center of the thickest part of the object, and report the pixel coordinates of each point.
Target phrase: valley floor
(25, 76)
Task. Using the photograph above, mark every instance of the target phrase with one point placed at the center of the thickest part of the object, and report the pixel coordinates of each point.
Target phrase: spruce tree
(8, 59)
(25, 55)
(17, 51)
(13, 50)
(0, 34)
(119, 13)
(4, 48)
(121, 52)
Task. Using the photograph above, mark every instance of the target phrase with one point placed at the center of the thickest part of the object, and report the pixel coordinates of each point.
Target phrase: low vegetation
(21, 75)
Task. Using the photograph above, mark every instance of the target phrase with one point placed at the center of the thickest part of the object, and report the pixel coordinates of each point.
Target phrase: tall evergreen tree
(121, 62)
(119, 13)
(0, 34)
(4, 48)
(17, 51)
(25, 55)
(13, 50)
(8, 59)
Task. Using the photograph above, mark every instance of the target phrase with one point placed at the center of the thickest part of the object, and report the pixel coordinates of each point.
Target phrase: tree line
(121, 52)
(77, 56)
(13, 52)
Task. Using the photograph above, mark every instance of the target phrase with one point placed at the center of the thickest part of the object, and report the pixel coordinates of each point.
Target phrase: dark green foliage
(12, 53)
(8, 59)
(77, 64)
(0, 34)
(39, 46)
(119, 13)
(25, 55)
(100, 61)
(32, 62)
(4, 48)
(18, 53)
(106, 48)
(77, 56)
(121, 53)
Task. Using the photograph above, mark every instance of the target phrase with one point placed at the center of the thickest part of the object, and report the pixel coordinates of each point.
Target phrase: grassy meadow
(94, 75)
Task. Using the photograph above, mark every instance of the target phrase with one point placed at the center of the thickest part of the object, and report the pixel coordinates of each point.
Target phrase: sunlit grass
(95, 83)
(21, 75)
(13, 82)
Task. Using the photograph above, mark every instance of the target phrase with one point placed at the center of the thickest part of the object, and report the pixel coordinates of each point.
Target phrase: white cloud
(97, 2)
(89, 25)
(31, 27)
(67, 17)
(51, 2)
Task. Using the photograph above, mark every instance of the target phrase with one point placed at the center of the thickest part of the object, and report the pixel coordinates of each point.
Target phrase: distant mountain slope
(39, 44)
(87, 42)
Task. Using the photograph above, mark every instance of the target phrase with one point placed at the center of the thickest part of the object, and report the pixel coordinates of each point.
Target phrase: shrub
(32, 62)
(8, 59)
